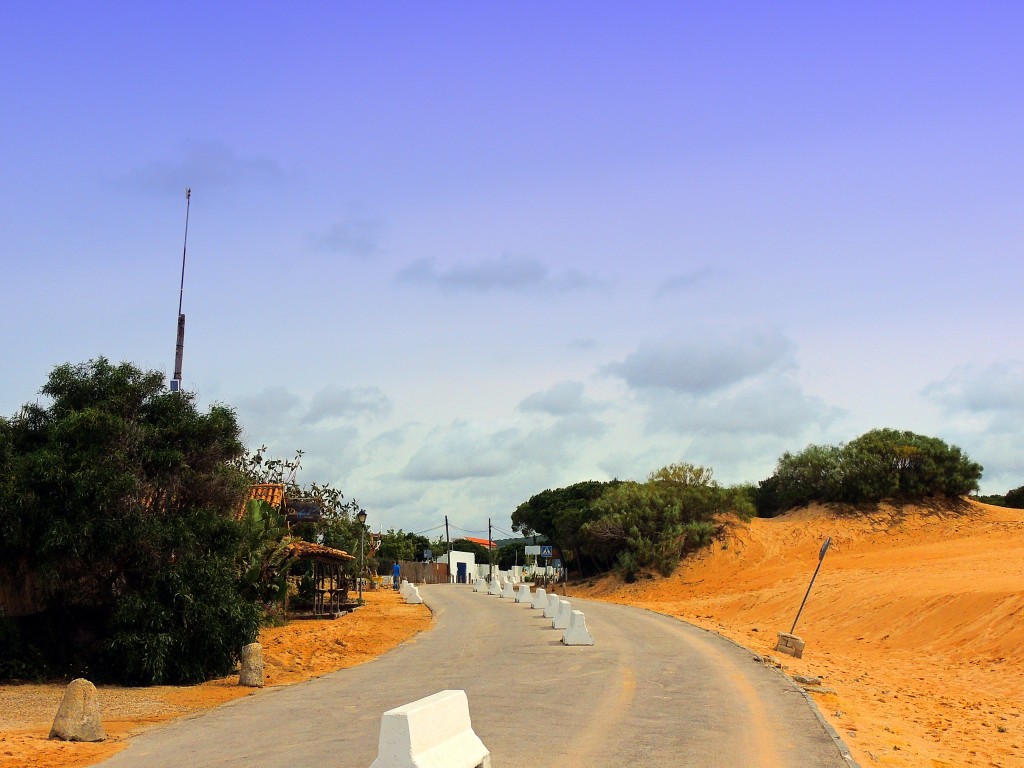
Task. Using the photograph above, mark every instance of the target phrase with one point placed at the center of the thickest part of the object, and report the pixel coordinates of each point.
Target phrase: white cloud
(271, 408)
(704, 362)
(686, 281)
(459, 452)
(769, 406)
(997, 388)
(562, 399)
(346, 403)
(356, 236)
(207, 165)
(508, 273)
(984, 415)
(581, 345)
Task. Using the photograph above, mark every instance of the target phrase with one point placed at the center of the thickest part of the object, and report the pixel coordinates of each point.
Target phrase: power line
(466, 530)
(426, 530)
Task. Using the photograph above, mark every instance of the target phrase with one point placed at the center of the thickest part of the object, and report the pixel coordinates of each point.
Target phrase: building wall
(460, 557)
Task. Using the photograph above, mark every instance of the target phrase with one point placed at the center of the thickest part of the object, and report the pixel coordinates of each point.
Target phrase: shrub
(880, 464)
(119, 498)
(1015, 498)
(653, 524)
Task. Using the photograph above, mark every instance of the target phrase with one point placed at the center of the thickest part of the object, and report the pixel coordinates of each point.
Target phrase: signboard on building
(303, 512)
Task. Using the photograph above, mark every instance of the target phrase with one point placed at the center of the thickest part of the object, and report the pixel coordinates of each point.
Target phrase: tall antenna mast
(179, 349)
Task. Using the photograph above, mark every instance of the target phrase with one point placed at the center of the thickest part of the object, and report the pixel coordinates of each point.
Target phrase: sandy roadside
(299, 651)
(914, 623)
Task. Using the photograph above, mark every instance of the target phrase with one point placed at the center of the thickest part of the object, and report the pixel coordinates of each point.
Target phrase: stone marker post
(78, 716)
(251, 675)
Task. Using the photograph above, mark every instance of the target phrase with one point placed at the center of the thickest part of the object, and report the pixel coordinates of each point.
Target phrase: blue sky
(460, 253)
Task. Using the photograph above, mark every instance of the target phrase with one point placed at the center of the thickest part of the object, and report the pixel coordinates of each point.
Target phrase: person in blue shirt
(396, 575)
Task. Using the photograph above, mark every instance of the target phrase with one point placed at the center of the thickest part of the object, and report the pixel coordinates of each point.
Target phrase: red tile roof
(481, 542)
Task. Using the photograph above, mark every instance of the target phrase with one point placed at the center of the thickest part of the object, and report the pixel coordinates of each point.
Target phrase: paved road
(653, 692)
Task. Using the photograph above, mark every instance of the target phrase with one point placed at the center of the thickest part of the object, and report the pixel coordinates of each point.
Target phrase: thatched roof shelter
(307, 550)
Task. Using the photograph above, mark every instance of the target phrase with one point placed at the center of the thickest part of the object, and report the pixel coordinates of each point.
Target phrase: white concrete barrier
(413, 596)
(478, 584)
(509, 590)
(561, 620)
(434, 732)
(551, 609)
(523, 595)
(404, 589)
(577, 633)
(540, 598)
(495, 588)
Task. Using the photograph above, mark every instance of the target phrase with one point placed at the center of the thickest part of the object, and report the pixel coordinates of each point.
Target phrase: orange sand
(916, 622)
(295, 652)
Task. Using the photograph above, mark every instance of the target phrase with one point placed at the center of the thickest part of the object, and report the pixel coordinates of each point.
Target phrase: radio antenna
(179, 349)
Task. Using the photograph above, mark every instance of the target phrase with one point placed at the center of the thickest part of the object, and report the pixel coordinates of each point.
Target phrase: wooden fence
(424, 573)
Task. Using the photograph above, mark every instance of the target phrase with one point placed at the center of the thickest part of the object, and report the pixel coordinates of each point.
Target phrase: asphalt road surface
(652, 691)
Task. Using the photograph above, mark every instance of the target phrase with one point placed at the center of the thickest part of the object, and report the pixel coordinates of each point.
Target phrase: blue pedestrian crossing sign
(545, 550)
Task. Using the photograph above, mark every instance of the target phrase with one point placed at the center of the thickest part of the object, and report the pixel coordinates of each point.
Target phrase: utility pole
(448, 541)
(490, 552)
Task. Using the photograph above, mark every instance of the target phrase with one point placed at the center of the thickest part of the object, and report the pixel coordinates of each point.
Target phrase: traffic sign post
(788, 642)
(821, 558)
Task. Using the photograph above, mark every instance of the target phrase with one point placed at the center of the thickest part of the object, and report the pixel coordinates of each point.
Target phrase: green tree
(119, 503)
(510, 555)
(401, 545)
(1015, 498)
(653, 524)
(880, 464)
(559, 515)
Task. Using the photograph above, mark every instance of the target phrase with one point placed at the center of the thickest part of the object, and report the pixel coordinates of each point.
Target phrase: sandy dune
(916, 622)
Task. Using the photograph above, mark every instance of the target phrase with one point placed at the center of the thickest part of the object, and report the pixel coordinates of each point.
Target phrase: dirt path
(298, 651)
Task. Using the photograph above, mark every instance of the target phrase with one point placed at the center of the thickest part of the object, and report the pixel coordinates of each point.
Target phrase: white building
(462, 568)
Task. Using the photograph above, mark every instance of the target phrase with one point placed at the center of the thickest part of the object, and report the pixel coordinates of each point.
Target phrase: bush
(654, 524)
(1015, 498)
(185, 625)
(880, 464)
(21, 660)
(627, 566)
(119, 498)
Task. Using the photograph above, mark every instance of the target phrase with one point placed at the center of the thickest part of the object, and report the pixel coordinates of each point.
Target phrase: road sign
(427, 555)
(545, 551)
(533, 549)
(556, 563)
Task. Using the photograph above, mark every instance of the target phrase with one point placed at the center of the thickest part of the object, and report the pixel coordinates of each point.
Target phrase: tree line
(632, 526)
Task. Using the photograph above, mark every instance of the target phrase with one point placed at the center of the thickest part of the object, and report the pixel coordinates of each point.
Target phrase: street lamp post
(361, 517)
